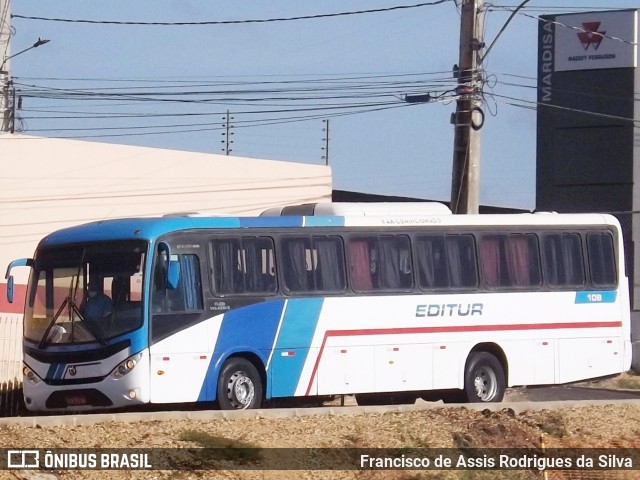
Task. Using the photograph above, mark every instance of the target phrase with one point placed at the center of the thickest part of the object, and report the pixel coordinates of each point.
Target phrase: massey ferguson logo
(591, 35)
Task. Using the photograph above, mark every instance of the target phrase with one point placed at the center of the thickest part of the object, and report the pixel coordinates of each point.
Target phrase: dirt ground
(603, 426)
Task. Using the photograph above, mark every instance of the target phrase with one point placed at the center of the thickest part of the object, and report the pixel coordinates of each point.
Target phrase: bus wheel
(239, 385)
(484, 379)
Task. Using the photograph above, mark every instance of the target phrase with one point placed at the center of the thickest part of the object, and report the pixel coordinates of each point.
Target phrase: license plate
(76, 399)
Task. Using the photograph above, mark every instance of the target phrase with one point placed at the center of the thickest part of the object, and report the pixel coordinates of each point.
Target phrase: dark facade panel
(584, 158)
(605, 92)
(584, 198)
(598, 155)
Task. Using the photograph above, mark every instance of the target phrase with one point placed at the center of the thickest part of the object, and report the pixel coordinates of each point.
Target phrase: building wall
(47, 184)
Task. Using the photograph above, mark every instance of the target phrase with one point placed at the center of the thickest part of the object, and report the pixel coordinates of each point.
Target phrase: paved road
(568, 392)
(518, 399)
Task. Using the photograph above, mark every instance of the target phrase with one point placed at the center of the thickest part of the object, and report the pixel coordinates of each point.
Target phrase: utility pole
(325, 157)
(469, 116)
(227, 134)
(5, 53)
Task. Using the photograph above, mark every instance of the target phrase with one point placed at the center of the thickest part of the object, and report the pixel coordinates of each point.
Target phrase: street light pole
(6, 107)
(39, 42)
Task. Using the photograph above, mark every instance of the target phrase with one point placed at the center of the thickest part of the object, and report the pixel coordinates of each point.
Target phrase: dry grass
(572, 427)
(628, 381)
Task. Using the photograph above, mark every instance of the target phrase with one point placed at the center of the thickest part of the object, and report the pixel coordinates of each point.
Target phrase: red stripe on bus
(452, 328)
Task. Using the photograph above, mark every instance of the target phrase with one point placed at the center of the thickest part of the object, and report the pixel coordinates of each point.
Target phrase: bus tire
(484, 379)
(239, 385)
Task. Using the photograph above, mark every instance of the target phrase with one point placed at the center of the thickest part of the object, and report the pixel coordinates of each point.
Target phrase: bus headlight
(31, 376)
(126, 366)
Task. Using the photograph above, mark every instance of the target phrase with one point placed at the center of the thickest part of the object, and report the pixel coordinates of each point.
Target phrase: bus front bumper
(111, 392)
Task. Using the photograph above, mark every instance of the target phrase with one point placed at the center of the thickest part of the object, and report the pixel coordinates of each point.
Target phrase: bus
(389, 302)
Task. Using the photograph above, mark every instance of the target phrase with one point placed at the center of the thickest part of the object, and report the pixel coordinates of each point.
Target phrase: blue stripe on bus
(285, 221)
(297, 330)
(139, 340)
(152, 228)
(55, 371)
(607, 296)
(247, 329)
(328, 221)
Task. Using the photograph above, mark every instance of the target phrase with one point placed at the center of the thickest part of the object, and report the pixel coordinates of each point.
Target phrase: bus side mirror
(173, 274)
(10, 289)
(21, 262)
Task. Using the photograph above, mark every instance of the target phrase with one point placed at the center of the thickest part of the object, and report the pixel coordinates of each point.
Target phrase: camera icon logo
(23, 459)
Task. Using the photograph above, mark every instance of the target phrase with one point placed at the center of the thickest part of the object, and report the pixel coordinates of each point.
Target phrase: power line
(352, 94)
(533, 105)
(256, 123)
(234, 22)
(182, 79)
(544, 8)
(555, 22)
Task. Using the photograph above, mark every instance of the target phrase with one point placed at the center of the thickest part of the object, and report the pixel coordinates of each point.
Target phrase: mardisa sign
(589, 41)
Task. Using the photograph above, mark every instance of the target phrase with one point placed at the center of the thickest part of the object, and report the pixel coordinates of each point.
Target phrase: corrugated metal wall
(10, 364)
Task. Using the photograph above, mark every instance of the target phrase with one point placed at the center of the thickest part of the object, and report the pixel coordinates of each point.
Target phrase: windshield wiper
(43, 342)
(73, 307)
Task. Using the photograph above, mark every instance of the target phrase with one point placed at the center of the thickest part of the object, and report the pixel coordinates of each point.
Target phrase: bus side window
(492, 260)
(510, 260)
(602, 263)
(394, 259)
(381, 263)
(224, 264)
(313, 264)
(431, 261)
(523, 260)
(563, 262)
(329, 267)
(242, 265)
(296, 262)
(446, 261)
(188, 294)
(254, 276)
(360, 265)
(462, 264)
(265, 266)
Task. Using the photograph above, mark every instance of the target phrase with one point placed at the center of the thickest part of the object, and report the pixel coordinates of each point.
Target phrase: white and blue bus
(387, 303)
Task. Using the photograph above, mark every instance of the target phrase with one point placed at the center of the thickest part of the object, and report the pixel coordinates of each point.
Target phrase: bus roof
(151, 228)
(347, 209)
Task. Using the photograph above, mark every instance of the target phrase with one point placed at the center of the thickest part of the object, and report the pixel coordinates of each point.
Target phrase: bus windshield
(85, 292)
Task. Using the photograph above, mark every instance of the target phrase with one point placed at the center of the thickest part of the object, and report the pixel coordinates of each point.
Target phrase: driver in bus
(98, 305)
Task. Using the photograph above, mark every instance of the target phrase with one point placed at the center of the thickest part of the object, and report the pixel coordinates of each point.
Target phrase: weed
(221, 449)
(630, 381)
(553, 425)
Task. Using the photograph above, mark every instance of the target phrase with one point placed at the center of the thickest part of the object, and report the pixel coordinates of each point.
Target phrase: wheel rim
(240, 390)
(485, 384)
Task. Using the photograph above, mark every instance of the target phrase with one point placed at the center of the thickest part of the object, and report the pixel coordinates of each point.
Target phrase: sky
(170, 86)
